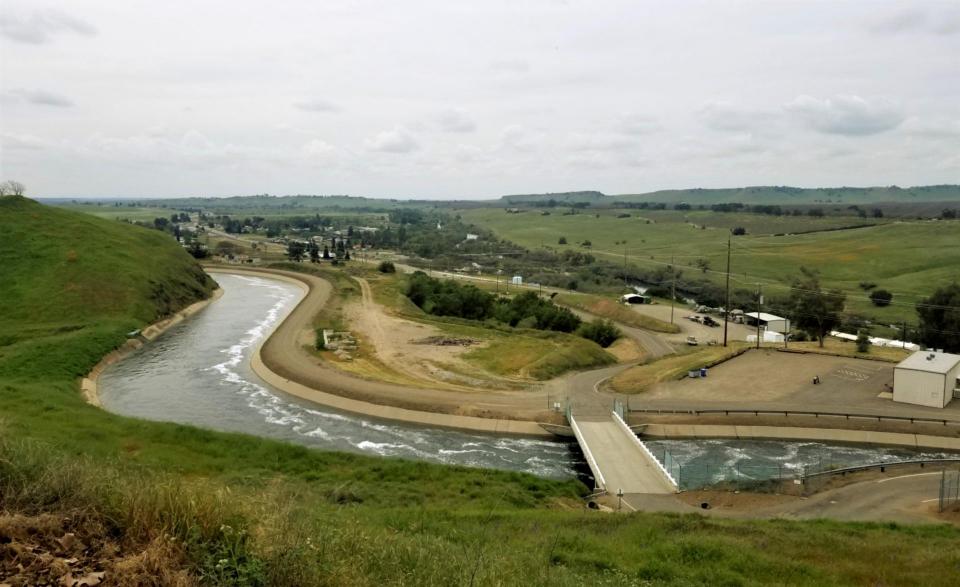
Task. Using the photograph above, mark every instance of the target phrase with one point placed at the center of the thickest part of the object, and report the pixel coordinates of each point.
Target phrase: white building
(768, 322)
(926, 378)
(517, 280)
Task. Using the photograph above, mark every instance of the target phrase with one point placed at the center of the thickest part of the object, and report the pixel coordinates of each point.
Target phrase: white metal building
(768, 322)
(926, 378)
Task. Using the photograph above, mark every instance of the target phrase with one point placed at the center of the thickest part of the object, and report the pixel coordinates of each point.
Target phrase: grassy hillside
(786, 195)
(154, 502)
(910, 259)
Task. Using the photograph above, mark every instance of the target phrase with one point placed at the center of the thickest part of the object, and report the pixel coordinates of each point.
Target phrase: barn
(926, 378)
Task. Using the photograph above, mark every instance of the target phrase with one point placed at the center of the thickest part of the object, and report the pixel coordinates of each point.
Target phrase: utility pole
(673, 287)
(625, 267)
(726, 308)
(759, 303)
(904, 337)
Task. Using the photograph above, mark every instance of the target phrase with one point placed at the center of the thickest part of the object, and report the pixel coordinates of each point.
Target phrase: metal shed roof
(764, 316)
(930, 362)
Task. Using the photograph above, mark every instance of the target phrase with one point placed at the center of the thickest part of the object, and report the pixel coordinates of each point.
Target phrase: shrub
(386, 267)
(602, 332)
(863, 342)
(739, 231)
(881, 297)
(562, 241)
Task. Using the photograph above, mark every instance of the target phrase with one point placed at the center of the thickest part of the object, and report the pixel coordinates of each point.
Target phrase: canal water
(198, 373)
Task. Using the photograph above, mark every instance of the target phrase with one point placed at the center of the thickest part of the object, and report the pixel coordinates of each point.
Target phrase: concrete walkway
(623, 464)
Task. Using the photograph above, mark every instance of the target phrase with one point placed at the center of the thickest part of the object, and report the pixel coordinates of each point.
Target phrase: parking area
(703, 333)
(770, 379)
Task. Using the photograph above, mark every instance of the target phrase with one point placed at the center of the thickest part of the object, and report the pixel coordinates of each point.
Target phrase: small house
(927, 378)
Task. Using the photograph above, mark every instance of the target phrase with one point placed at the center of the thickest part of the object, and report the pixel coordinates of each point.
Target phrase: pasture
(908, 258)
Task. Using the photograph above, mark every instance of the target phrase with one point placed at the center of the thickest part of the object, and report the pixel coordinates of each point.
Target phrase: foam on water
(227, 332)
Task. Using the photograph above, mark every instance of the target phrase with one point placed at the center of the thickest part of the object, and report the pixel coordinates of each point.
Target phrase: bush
(602, 332)
(867, 285)
(799, 336)
(863, 342)
(386, 267)
(562, 241)
(739, 231)
(881, 297)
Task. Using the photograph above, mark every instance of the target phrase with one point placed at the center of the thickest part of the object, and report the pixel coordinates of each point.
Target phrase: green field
(124, 212)
(178, 503)
(910, 259)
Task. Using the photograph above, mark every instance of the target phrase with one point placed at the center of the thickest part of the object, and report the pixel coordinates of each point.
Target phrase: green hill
(157, 503)
(786, 195)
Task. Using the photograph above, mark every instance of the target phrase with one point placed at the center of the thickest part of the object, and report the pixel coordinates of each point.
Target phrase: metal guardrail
(788, 413)
(881, 466)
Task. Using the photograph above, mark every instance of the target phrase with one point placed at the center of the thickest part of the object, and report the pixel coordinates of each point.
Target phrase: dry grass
(610, 309)
(642, 377)
(834, 346)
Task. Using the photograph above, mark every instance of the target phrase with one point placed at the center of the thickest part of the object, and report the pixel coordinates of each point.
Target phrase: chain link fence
(950, 490)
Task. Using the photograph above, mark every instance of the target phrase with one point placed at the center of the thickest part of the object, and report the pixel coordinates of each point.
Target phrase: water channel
(198, 373)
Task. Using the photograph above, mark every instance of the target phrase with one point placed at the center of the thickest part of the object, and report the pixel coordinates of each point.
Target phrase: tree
(314, 251)
(881, 297)
(814, 310)
(12, 188)
(877, 213)
(948, 214)
(602, 332)
(739, 231)
(161, 223)
(198, 250)
(863, 342)
(940, 319)
(562, 241)
(326, 252)
(295, 250)
(387, 267)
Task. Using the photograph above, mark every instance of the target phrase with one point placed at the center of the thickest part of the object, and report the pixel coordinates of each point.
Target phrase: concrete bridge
(617, 458)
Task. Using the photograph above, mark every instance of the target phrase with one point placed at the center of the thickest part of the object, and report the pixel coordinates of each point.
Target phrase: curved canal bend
(198, 373)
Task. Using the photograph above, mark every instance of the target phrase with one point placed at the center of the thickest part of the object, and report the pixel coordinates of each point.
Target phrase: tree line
(524, 310)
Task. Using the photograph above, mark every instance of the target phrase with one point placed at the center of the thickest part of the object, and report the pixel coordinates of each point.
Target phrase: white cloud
(846, 115)
(455, 121)
(636, 124)
(41, 98)
(397, 140)
(18, 142)
(40, 27)
(316, 105)
(918, 20)
(726, 116)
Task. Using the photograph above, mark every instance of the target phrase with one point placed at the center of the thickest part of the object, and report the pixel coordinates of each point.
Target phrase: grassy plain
(909, 258)
(124, 212)
(605, 307)
(175, 502)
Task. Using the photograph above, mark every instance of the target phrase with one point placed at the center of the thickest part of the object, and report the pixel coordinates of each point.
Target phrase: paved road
(623, 464)
(904, 498)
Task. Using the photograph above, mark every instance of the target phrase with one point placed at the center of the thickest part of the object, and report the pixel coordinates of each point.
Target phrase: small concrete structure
(768, 322)
(926, 378)
(517, 280)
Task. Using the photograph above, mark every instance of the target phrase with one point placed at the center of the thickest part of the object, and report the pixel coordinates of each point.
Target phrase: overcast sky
(449, 98)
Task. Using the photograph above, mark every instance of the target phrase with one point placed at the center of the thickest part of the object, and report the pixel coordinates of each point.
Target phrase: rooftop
(930, 361)
(764, 316)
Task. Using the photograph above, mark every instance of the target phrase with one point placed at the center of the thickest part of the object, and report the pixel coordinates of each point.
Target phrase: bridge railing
(598, 480)
(663, 469)
(788, 413)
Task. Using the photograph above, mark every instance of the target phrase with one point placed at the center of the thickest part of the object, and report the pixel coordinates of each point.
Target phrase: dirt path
(400, 344)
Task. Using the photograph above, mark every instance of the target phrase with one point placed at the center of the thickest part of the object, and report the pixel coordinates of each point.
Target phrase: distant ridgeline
(781, 195)
(746, 195)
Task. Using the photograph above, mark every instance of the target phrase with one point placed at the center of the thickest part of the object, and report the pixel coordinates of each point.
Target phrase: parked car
(692, 341)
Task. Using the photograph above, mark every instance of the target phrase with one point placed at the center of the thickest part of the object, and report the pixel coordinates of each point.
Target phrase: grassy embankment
(611, 310)
(508, 352)
(159, 501)
(910, 259)
(642, 377)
